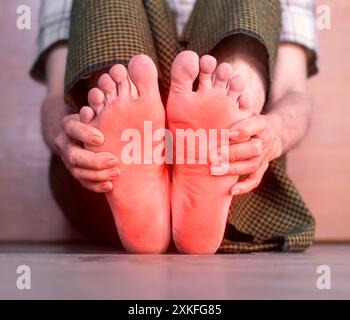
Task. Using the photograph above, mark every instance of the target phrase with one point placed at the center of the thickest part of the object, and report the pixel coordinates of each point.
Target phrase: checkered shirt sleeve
(298, 23)
(54, 22)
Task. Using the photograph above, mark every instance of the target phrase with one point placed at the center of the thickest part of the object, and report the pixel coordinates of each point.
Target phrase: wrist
(53, 110)
(275, 128)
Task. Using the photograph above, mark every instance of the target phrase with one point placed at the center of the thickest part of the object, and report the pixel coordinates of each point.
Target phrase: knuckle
(58, 141)
(102, 175)
(75, 173)
(71, 157)
(65, 122)
(232, 155)
(254, 165)
(233, 169)
(244, 131)
(99, 164)
(263, 121)
(258, 146)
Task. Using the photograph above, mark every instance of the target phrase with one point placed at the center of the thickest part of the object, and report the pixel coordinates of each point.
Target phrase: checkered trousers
(272, 217)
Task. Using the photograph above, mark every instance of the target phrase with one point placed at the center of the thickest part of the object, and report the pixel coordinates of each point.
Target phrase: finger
(76, 156)
(60, 141)
(251, 182)
(95, 175)
(98, 187)
(246, 150)
(82, 132)
(86, 115)
(248, 127)
(252, 148)
(237, 168)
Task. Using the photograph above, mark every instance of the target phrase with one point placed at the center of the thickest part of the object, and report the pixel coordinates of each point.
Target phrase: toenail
(107, 186)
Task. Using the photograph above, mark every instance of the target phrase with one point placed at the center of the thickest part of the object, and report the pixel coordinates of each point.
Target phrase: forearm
(53, 110)
(54, 107)
(290, 117)
(289, 110)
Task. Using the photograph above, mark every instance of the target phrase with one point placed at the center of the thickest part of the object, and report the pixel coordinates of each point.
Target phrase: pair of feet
(148, 203)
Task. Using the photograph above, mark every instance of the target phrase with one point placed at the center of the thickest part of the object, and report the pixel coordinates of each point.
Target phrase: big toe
(184, 71)
(143, 74)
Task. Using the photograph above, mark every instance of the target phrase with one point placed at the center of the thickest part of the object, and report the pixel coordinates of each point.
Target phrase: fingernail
(97, 140)
(234, 134)
(114, 173)
(215, 158)
(235, 192)
(217, 171)
(107, 186)
(112, 162)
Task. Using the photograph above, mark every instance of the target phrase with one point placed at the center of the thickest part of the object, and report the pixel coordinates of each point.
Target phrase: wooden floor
(68, 272)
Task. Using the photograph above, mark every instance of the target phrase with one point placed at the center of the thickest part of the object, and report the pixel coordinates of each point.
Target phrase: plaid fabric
(298, 26)
(210, 23)
(274, 216)
(114, 31)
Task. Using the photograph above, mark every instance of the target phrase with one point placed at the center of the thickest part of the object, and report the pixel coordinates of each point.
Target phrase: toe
(245, 103)
(144, 75)
(184, 71)
(207, 68)
(108, 86)
(223, 74)
(236, 87)
(120, 76)
(96, 99)
(86, 115)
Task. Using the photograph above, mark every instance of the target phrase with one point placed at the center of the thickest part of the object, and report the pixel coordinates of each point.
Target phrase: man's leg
(87, 211)
(140, 199)
(244, 45)
(200, 201)
(248, 58)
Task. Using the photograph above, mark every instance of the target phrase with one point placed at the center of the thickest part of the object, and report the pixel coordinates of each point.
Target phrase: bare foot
(200, 201)
(140, 198)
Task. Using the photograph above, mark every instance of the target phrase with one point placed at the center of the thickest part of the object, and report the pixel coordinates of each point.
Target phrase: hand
(254, 142)
(95, 171)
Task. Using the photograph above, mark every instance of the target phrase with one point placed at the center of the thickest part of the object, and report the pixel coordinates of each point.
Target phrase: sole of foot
(140, 197)
(200, 201)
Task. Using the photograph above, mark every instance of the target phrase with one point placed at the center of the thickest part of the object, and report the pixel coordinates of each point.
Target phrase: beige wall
(319, 166)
